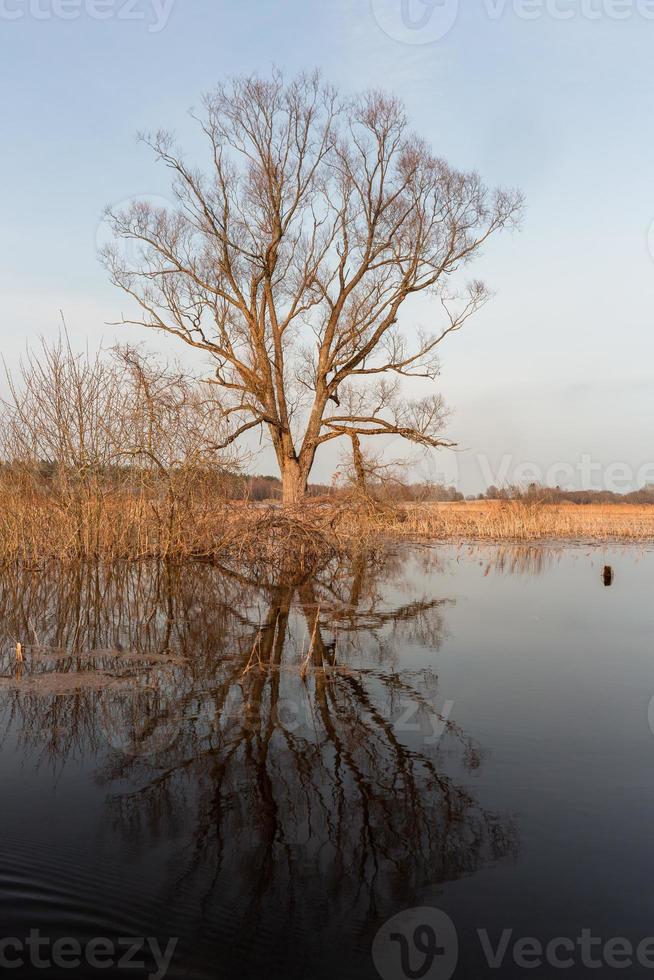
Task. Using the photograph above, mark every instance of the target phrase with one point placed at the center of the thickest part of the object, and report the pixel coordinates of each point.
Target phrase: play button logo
(416, 944)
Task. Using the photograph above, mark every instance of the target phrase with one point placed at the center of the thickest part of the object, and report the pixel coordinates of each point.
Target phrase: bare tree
(290, 261)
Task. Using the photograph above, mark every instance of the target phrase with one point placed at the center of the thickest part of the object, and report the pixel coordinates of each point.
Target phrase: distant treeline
(234, 485)
(270, 488)
(397, 491)
(260, 488)
(555, 495)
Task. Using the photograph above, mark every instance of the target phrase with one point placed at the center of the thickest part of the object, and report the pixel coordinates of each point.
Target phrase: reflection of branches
(292, 763)
(303, 782)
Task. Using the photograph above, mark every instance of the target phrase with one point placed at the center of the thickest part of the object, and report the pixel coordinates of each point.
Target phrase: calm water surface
(269, 774)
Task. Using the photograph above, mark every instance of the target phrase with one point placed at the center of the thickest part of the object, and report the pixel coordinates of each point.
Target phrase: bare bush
(109, 454)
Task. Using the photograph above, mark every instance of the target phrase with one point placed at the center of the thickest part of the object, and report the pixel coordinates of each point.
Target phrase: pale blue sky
(559, 366)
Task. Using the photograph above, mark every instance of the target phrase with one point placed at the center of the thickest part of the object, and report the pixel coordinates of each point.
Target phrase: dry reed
(118, 457)
(521, 520)
(38, 524)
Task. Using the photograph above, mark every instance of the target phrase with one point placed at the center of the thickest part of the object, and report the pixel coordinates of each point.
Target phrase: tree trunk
(357, 459)
(294, 483)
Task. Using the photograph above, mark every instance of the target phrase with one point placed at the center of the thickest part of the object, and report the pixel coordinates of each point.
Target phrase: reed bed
(40, 523)
(116, 456)
(520, 520)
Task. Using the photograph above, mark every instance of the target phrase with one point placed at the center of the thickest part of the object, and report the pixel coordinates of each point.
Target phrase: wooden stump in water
(608, 576)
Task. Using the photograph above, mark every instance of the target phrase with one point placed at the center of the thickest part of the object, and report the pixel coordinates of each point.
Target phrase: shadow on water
(295, 778)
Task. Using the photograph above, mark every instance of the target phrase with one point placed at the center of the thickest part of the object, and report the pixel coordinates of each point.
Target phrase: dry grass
(97, 521)
(281, 545)
(490, 520)
(37, 525)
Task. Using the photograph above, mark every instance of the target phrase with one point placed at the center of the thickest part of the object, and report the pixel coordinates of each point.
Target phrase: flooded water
(427, 762)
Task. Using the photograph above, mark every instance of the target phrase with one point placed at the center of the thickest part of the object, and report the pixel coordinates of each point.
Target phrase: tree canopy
(290, 257)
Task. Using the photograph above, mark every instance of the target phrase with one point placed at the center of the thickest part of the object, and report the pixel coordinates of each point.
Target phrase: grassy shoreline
(518, 520)
(134, 526)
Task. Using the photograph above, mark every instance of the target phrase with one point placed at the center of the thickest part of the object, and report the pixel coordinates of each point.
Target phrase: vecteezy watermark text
(155, 13)
(584, 473)
(426, 21)
(424, 942)
(101, 953)
(424, 721)
(570, 9)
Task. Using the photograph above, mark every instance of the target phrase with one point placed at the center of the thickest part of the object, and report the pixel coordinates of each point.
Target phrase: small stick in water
(19, 653)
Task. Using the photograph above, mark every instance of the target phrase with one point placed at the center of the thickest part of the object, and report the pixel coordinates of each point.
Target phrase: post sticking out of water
(19, 653)
(608, 576)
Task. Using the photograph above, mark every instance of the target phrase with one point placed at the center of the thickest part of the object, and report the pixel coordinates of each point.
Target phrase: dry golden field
(495, 520)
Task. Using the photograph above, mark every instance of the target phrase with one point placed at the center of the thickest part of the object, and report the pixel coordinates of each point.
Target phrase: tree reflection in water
(269, 732)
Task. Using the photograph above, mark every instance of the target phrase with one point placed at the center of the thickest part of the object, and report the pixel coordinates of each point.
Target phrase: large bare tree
(290, 260)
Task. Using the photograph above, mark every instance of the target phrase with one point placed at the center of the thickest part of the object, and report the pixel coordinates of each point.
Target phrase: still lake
(406, 767)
